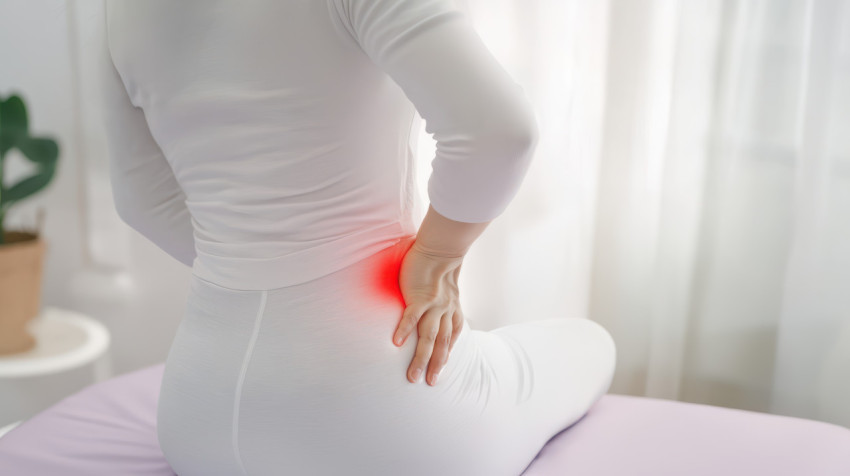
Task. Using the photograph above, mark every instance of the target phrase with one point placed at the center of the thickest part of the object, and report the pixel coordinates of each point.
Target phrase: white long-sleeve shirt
(266, 143)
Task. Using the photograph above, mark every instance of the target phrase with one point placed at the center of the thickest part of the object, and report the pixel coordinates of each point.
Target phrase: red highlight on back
(387, 267)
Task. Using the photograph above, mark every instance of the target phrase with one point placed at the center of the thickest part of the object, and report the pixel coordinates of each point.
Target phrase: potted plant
(21, 251)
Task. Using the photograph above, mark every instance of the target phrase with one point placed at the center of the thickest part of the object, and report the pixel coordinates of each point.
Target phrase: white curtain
(690, 191)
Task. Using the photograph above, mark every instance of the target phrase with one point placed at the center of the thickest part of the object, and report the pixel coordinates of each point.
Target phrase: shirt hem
(296, 268)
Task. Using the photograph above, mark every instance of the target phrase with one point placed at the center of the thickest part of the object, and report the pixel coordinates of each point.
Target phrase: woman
(267, 144)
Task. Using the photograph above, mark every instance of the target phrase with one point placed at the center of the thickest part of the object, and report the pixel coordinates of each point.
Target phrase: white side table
(66, 341)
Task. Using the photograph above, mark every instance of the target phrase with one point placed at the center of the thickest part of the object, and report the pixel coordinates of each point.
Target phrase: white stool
(65, 340)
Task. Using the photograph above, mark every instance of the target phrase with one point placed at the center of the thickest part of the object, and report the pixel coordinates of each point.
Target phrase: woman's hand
(428, 281)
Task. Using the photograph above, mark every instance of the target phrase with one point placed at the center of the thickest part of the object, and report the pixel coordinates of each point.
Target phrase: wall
(95, 263)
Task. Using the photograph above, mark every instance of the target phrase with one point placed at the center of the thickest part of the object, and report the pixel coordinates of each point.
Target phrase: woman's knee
(606, 340)
(607, 353)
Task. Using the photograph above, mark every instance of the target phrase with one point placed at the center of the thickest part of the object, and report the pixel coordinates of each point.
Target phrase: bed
(109, 428)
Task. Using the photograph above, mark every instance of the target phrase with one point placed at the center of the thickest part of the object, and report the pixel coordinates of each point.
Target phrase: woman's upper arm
(481, 119)
(146, 194)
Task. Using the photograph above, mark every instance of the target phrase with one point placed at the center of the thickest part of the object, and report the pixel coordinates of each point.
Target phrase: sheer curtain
(690, 191)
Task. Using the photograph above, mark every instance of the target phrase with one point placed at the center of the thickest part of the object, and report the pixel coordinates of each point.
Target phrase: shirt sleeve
(483, 124)
(146, 194)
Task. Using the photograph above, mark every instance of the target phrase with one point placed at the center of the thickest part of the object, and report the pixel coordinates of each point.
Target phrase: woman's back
(291, 145)
(285, 124)
(267, 144)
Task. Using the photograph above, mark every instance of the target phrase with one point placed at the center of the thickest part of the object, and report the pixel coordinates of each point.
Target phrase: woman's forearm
(444, 237)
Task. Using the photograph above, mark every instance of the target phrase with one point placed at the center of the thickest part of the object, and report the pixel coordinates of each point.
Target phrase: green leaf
(43, 152)
(14, 124)
(28, 186)
(40, 150)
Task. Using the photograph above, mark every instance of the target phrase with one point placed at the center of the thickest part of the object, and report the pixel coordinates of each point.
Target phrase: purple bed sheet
(109, 429)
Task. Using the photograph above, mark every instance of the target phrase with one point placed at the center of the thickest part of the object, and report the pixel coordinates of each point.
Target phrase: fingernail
(436, 376)
(416, 374)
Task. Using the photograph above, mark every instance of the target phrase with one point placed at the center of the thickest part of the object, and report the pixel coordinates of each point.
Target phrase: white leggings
(305, 380)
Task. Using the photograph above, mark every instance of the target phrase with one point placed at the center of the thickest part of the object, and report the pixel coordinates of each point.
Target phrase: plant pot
(21, 264)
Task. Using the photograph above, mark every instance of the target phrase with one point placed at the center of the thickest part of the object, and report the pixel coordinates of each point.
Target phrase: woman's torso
(293, 149)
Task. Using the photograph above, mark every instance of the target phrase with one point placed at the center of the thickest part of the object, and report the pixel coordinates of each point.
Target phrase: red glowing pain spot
(387, 267)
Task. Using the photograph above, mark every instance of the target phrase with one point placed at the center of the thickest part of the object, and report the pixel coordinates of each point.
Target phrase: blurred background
(690, 191)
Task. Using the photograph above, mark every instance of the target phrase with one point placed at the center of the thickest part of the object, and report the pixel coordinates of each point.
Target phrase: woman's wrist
(441, 237)
(436, 265)
(438, 254)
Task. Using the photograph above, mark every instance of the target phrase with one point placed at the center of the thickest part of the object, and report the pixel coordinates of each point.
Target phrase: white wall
(95, 263)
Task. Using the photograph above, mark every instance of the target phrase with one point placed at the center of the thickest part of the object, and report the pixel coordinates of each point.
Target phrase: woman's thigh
(325, 396)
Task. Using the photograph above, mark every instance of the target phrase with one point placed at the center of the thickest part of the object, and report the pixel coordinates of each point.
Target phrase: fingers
(429, 327)
(408, 322)
(457, 327)
(440, 354)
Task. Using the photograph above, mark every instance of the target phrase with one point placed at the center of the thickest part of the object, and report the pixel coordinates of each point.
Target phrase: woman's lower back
(305, 380)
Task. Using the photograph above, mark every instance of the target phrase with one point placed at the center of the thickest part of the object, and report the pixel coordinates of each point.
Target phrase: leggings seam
(249, 351)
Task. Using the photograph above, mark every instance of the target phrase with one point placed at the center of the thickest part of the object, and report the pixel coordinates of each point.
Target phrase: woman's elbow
(130, 215)
(523, 134)
(130, 208)
(514, 135)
